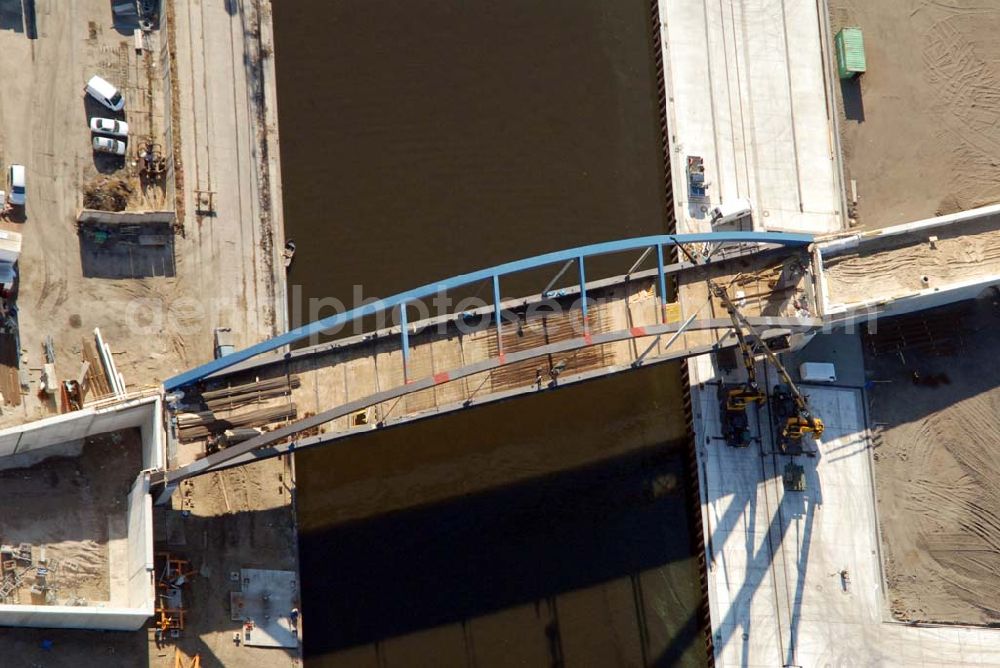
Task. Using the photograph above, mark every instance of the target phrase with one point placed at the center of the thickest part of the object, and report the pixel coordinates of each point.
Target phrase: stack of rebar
(229, 398)
(195, 426)
(260, 394)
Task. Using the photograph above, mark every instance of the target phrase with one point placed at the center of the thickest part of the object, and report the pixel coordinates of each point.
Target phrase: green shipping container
(850, 52)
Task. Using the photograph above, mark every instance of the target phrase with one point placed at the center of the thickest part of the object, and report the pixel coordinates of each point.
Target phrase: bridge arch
(654, 244)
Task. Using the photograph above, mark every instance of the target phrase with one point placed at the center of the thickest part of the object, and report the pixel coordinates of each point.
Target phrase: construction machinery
(181, 661)
(735, 423)
(734, 399)
(789, 407)
(175, 573)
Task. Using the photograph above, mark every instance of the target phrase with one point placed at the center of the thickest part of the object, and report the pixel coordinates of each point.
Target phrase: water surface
(427, 138)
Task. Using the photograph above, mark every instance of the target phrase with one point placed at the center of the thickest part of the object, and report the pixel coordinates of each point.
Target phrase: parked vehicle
(105, 93)
(125, 10)
(109, 126)
(109, 145)
(15, 184)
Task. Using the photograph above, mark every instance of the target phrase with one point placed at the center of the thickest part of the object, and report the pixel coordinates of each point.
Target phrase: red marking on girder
(587, 338)
(442, 377)
(637, 331)
(503, 358)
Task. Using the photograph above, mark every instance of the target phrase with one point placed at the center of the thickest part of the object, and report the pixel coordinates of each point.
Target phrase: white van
(15, 184)
(105, 93)
(817, 372)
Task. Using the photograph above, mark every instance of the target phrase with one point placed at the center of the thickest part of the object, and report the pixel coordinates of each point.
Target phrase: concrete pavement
(777, 560)
(746, 89)
(230, 147)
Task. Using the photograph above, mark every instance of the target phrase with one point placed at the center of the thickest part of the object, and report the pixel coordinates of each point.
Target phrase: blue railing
(493, 274)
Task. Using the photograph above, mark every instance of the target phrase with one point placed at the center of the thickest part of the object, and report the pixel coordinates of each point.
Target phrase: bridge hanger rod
(642, 258)
(221, 458)
(565, 268)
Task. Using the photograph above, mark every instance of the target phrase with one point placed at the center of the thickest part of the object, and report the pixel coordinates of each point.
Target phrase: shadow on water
(471, 556)
(557, 522)
(457, 135)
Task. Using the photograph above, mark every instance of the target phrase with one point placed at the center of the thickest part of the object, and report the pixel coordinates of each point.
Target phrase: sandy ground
(224, 268)
(43, 125)
(70, 505)
(897, 265)
(922, 129)
(159, 318)
(937, 476)
(239, 518)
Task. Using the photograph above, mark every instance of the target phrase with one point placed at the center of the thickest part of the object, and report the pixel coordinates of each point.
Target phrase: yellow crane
(791, 407)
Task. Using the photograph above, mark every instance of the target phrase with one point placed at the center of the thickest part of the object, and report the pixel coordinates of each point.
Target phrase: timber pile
(96, 381)
(238, 396)
(201, 425)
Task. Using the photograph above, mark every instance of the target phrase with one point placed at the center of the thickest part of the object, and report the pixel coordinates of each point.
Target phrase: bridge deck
(459, 361)
(902, 264)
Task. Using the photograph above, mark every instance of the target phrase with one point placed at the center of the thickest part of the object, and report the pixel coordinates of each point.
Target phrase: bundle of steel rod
(194, 426)
(249, 393)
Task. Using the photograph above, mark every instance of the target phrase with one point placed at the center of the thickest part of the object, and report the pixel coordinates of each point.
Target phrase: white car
(109, 126)
(109, 145)
(105, 93)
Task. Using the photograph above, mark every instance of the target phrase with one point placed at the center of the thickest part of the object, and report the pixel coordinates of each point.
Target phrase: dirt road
(224, 271)
(156, 325)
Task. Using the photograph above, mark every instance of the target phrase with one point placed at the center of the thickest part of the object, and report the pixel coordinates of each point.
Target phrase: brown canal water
(426, 138)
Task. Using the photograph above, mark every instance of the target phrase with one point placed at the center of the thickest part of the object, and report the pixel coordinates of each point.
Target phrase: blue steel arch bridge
(641, 307)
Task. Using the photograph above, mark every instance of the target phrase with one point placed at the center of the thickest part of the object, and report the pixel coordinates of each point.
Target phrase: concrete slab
(760, 118)
(777, 561)
(266, 605)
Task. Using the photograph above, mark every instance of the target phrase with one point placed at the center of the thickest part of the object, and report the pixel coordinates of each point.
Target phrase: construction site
(933, 390)
(71, 520)
(820, 301)
(105, 267)
(940, 67)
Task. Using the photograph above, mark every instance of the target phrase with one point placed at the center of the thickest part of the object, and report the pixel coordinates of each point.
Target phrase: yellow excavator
(789, 406)
(734, 400)
(739, 397)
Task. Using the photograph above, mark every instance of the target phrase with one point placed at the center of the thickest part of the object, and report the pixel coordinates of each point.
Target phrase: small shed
(850, 53)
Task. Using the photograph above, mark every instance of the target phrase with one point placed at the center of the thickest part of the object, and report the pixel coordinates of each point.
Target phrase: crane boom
(798, 419)
(801, 421)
